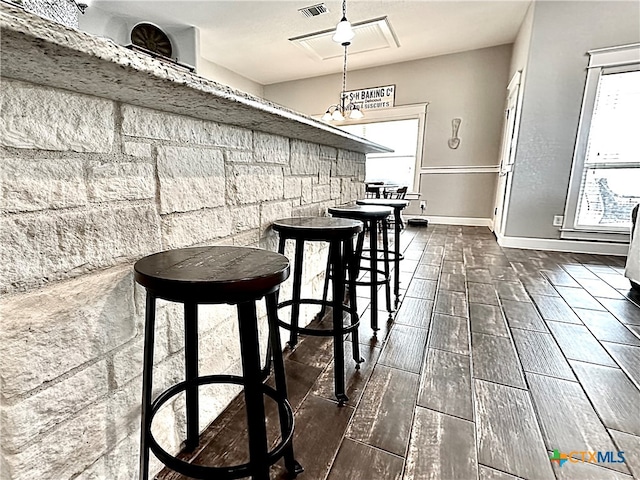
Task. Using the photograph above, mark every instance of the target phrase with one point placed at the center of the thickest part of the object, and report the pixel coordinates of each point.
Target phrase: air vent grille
(314, 10)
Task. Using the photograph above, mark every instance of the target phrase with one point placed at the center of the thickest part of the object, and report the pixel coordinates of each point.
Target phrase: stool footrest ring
(385, 280)
(206, 472)
(391, 253)
(315, 331)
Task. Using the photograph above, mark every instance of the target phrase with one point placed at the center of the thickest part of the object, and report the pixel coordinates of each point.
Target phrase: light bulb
(337, 115)
(356, 114)
(344, 33)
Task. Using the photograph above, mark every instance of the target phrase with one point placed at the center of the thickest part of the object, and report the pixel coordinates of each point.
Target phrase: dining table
(381, 189)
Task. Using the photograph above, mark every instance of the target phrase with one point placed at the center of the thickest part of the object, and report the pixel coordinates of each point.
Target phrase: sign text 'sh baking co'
(372, 98)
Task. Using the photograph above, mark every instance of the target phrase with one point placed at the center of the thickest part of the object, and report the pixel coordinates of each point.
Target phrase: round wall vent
(150, 37)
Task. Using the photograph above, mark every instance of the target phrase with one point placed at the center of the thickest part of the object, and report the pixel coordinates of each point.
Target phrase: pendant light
(344, 33)
(341, 110)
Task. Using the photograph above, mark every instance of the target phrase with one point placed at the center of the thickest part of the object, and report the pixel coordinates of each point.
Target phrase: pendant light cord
(344, 79)
(344, 62)
(337, 112)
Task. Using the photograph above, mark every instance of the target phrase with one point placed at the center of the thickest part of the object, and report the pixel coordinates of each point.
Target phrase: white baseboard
(466, 221)
(528, 243)
(573, 246)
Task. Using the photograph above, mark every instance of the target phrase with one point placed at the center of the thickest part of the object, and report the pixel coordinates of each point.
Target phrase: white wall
(470, 85)
(561, 34)
(185, 42)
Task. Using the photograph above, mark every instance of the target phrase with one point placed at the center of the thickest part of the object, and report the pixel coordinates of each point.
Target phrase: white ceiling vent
(371, 35)
(314, 10)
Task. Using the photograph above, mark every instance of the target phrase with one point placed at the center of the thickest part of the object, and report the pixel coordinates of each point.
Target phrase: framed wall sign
(372, 98)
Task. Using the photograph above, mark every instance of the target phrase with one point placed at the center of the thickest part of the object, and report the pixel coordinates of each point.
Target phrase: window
(401, 128)
(605, 180)
(397, 167)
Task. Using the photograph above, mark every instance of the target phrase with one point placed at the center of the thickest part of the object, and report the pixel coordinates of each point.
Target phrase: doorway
(507, 155)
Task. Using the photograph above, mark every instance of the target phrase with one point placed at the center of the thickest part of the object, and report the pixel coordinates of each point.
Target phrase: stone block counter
(106, 156)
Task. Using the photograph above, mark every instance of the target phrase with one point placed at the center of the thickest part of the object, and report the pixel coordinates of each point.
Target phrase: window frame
(602, 61)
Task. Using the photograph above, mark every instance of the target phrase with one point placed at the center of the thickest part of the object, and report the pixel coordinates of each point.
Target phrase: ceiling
(251, 38)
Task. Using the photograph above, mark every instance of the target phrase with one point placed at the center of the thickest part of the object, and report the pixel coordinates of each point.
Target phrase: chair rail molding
(461, 169)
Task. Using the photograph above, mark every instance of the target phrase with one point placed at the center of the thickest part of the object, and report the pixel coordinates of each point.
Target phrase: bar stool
(398, 206)
(339, 233)
(375, 219)
(218, 275)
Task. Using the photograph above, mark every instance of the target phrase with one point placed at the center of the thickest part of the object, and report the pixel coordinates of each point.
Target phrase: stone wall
(88, 186)
(61, 11)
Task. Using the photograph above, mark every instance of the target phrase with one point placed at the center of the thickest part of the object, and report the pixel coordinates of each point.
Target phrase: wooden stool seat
(318, 228)
(384, 202)
(361, 212)
(212, 274)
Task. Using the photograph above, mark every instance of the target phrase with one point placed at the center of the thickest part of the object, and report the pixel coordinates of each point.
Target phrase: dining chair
(400, 193)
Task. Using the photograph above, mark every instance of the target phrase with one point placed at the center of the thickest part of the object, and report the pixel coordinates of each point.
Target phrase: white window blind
(605, 177)
(610, 185)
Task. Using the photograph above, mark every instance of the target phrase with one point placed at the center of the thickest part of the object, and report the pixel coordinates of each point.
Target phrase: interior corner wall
(104, 24)
(520, 55)
(219, 74)
(469, 85)
(561, 35)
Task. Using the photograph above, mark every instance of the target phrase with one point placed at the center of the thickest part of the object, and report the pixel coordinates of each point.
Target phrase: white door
(507, 154)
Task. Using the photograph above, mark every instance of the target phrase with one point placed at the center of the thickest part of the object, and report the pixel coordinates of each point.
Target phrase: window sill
(593, 236)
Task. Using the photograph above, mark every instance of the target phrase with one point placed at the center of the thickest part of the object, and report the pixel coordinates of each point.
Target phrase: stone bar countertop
(37, 50)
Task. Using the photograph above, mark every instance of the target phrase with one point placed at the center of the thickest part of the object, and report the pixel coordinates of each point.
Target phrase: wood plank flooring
(496, 357)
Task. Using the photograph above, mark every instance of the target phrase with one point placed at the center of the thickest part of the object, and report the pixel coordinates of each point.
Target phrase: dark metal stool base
(223, 473)
(398, 205)
(218, 275)
(339, 234)
(338, 330)
(372, 216)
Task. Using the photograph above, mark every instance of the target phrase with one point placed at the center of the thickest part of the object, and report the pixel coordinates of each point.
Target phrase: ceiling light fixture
(343, 109)
(344, 32)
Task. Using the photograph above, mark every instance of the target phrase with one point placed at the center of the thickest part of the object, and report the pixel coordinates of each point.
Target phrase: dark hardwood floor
(496, 358)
